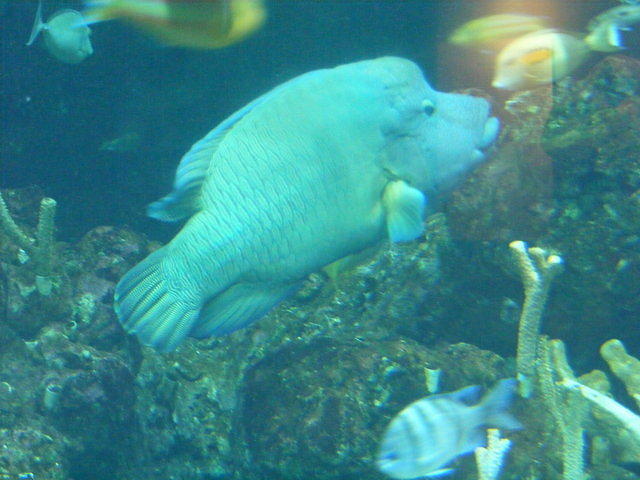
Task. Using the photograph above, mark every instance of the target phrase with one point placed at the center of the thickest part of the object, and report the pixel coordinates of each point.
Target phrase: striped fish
(430, 433)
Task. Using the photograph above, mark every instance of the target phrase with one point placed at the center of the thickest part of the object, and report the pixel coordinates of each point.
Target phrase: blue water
(321, 377)
(56, 116)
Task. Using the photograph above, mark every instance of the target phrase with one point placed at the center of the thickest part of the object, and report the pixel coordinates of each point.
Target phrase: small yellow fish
(604, 30)
(493, 28)
(185, 23)
(537, 59)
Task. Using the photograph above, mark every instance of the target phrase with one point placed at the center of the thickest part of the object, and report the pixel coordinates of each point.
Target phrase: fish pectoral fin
(468, 395)
(238, 306)
(404, 207)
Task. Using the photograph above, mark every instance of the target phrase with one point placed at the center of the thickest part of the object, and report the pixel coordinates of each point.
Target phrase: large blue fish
(430, 433)
(322, 167)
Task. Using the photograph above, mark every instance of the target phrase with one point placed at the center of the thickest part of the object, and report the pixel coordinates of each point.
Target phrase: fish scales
(286, 191)
(322, 167)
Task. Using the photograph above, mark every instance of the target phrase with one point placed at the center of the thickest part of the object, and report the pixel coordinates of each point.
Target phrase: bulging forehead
(394, 76)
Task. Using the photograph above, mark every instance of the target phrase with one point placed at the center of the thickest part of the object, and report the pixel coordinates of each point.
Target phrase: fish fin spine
(38, 25)
(147, 306)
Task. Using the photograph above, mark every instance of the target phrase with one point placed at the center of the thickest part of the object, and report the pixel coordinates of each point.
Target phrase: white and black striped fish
(430, 433)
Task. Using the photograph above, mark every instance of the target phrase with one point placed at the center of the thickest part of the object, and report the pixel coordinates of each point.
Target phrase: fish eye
(428, 107)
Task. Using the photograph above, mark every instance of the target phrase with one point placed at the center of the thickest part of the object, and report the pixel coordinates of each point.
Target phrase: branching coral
(615, 420)
(537, 271)
(572, 401)
(575, 404)
(489, 459)
(624, 366)
(39, 249)
(568, 410)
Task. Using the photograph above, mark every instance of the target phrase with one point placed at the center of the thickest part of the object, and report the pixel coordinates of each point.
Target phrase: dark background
(55, 117)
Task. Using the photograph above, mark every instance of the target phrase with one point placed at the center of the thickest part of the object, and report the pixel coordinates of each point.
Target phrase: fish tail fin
(101, 11)
(38, 25)
(496, 403)
(147, 306)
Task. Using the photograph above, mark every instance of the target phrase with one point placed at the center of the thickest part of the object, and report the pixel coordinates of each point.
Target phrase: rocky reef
(308, 390)
(568, 179)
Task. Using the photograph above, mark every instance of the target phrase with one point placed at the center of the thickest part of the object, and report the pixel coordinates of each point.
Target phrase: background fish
(322, 167)
(492, 28)
(186, 23)
(123, 143)
(430, 433)
(65, 35)
(605, 29)
(537, 59)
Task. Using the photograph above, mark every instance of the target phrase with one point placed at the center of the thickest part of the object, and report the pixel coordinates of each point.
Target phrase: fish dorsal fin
(184, 200)
(38, 25)
(404, 207)
(467, 395)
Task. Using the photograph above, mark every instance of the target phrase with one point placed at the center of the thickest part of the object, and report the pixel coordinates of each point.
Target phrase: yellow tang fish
(493, 28)
(185, 23)
(538, 58)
